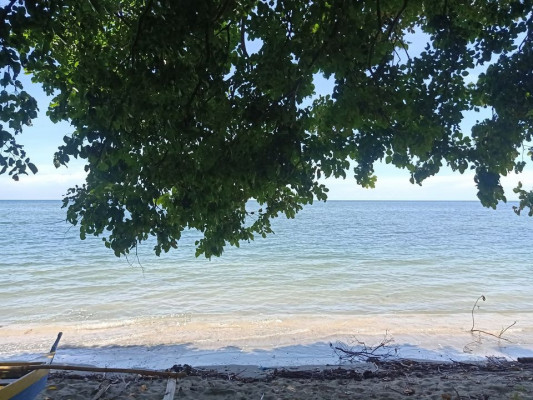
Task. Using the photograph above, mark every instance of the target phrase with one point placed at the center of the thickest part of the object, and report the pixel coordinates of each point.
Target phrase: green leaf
(32, 168)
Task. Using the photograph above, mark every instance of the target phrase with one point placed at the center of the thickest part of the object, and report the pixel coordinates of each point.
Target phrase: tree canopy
(185, 109)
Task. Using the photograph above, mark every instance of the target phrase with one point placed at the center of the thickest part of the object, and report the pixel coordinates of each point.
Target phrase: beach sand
(492, 379)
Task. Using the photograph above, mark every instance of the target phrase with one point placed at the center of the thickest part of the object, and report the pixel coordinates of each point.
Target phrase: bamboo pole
(143, 372)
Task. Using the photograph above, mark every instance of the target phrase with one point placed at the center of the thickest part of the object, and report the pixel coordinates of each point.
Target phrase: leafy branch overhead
(17, 107)
(184, 110)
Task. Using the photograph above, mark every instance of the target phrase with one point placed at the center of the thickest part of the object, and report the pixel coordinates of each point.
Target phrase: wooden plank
(171, 389)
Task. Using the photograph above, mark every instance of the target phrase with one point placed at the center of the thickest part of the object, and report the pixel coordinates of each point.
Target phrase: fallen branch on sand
(362, 352)
(498, 336)
(103, 388)
(84, 368)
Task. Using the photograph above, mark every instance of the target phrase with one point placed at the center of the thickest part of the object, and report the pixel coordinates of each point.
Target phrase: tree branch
(388, 35)
(220, 11)
(396, 19)
(378, 11)
(139, 29)
(243, 39)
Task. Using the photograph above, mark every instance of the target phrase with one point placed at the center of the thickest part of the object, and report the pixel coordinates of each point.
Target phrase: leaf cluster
(17, 107)
(184, 110)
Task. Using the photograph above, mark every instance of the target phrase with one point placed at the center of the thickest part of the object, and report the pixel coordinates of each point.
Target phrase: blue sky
(42, 139)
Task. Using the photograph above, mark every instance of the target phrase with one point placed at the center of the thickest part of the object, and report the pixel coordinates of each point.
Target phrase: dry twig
(498, 336)
(363, 352)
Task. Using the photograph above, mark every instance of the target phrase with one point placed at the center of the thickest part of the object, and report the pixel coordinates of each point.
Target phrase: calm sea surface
(339, 258)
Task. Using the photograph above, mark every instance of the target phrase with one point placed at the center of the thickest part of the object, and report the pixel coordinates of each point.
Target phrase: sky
(43, 138)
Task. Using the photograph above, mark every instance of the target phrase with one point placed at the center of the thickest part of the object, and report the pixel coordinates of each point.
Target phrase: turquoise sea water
(339, 259)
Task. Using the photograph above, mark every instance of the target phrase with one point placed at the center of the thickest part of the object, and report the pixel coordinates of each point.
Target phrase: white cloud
(447, 186)
(48, 184)
(392, 184)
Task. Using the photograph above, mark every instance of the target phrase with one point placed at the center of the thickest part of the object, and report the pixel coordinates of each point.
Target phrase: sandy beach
(491, 379)
(440, 366)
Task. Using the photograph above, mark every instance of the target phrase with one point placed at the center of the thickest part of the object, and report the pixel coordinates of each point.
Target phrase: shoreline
(284, 358)
(264, 339)
(270, 341)
(336, 352)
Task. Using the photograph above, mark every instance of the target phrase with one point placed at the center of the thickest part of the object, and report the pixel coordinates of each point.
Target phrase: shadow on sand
(315, 354)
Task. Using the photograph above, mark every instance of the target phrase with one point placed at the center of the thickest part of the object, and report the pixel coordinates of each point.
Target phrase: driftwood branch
(363, 352)
(482, 297)
(499, 335)
(103, 388)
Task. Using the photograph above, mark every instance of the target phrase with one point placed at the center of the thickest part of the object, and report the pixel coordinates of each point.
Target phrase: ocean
(341, 269)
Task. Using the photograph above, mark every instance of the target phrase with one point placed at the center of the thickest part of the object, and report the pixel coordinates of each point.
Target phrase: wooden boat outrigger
(19, 382)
